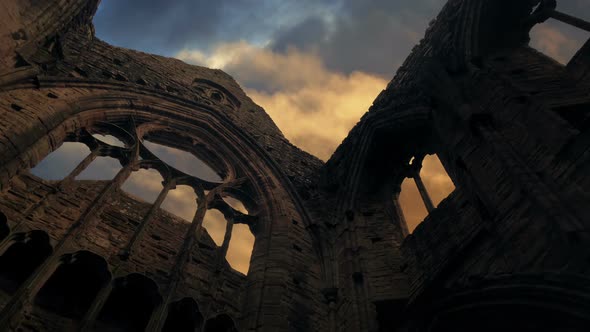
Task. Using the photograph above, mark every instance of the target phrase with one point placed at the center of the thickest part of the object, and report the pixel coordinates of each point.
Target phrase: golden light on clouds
(318, 117)
(215, 224)
(314, 107)
(240, 248)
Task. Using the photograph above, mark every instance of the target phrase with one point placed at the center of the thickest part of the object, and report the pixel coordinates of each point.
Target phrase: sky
(314, 65)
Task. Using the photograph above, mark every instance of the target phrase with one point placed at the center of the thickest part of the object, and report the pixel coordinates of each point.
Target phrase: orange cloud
(181, 202)
(240, 248)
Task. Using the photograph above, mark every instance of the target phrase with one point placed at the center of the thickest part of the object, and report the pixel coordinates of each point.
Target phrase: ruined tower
(507, 250)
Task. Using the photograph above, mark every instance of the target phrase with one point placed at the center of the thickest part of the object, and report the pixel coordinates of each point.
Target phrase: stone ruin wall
(332, 252)
(69, 83)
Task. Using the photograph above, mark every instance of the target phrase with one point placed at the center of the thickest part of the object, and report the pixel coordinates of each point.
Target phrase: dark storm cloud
(165, 26)
(377, 35)
(368, 35)
(373, 36)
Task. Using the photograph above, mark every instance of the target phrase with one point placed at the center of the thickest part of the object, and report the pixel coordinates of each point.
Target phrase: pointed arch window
(22, 257)
(425, 185)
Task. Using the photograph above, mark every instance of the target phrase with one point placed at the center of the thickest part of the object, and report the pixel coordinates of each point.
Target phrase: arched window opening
(221, 323)
(181, 202)
(130, 304)
(558, 40)
(215, 224)
(102, 168)
(75, 283)
(240, 248)
(61, 162)
(4, 229)
(19, 261)
(235, 204)
(183, 161)
(109, 139)
(183, 316)
(426, 185)
(145, 184)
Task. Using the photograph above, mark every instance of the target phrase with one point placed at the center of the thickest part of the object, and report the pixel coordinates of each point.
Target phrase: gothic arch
(101, 108)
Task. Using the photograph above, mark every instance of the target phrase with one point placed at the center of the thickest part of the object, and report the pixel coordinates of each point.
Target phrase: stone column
(191, 237)
(168, 185)
(415, 168)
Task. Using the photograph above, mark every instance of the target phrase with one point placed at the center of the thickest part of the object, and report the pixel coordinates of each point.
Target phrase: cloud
(102, 168)
(314, 106)
(437, 183)
(557, 40)
(240, 248)
(371, 36)
(163, 27)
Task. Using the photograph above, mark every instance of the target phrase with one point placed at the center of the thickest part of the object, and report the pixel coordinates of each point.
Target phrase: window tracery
(172, 171)
(74, 285)
(424, 186)
(548, 23)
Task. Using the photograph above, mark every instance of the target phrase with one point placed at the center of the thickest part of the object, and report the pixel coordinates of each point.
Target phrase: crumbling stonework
(507, 250)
